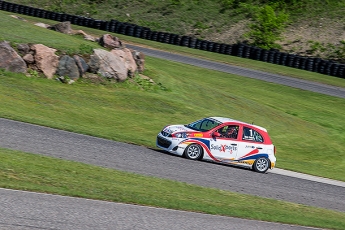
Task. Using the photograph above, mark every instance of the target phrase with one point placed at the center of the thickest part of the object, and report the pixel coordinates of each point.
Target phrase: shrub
(267, 26)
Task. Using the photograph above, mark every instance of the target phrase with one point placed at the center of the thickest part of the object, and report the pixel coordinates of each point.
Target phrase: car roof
(225, 119)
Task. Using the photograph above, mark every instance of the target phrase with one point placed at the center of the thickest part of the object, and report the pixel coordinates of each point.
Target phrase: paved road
(279, 79)
(138, 159)
(28, 210)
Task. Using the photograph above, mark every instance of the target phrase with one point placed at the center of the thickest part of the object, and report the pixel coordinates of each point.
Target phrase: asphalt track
(126, 157)
(274, 78)
(28, 210)
(23, 210)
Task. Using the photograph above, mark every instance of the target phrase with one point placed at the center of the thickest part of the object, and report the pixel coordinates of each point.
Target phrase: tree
(267, 26)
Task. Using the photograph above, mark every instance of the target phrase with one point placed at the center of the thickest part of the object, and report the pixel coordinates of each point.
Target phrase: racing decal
(249, 158)
(254, 157)
(254, 151)
(204, 143)
(198, 135)
(247, 162)
(223, 148)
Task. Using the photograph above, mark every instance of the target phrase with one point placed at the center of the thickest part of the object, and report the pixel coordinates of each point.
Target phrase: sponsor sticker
(223, 148)
(198, 135)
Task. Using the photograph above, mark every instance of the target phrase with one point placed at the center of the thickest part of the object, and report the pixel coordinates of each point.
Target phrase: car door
(251, 144)
(225, 147)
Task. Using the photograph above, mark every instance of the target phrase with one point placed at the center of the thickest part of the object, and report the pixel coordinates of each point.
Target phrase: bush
(267, 26)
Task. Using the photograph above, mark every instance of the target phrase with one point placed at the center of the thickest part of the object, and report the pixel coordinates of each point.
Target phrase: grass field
(43, 174)
(307, 128)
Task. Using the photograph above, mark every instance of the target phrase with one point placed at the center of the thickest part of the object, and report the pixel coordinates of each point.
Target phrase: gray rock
(68, 68)
(82, 65)
(10, 59)
(110, 42)
(23, 49)
(108, 65)
(62, 27)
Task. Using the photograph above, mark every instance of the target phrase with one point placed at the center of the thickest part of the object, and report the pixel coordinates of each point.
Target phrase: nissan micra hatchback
(221, 140)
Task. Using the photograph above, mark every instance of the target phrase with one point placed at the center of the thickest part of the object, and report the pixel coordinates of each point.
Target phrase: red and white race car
(222, 140)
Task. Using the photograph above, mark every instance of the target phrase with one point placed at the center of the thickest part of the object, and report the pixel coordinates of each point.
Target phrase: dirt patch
(296, 39)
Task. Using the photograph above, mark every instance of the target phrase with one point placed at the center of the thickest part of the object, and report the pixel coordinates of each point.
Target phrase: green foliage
(226, 5)
(267, 27)
(176, 2)
(85, 49)
(147, 84)
(33, 73)
(88, 8)
(328, 50)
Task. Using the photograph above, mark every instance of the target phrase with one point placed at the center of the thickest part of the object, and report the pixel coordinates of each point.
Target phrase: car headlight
(181, 135)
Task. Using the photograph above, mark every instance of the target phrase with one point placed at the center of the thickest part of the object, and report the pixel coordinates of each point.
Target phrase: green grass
(43, 174)
(296, 120)
(307, 128)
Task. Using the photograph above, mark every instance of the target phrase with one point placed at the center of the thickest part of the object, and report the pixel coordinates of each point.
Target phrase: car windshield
(203, 125)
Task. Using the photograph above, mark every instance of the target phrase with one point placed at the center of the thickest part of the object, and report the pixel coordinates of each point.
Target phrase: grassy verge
(43, 174)
(296, 120)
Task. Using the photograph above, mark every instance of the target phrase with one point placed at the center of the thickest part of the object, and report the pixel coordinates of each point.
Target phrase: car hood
(177, 128)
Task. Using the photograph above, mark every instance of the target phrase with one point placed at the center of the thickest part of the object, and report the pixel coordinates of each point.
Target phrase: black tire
(193, 152)
(261, 165)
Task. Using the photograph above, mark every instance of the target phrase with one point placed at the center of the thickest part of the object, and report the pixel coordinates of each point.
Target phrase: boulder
(85, 35)
(23, 49)
(43, 25)
(139, 58)
(110, 42)
(127, 58)
(107, 65)
(68, 68)
(46, 61)
(10, 59)
(29, 59)
(82, 65)
(62, 27)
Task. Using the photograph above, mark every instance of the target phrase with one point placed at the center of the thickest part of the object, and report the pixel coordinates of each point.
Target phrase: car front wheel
(193, 152)
(261, 165)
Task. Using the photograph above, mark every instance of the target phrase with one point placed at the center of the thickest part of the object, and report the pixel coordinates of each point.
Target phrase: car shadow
(241, 167)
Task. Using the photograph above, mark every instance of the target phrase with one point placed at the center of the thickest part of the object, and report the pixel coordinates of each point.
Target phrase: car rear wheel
(193, 152)
(261, 164)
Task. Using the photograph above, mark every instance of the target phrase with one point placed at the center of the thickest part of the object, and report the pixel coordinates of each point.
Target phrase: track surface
(22, 210)
(25, 210)
(274, 78)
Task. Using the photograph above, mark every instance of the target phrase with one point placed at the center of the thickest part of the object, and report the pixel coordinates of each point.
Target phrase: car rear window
(251, 135)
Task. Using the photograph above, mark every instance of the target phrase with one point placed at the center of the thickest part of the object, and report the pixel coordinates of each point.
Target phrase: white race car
(222, 140)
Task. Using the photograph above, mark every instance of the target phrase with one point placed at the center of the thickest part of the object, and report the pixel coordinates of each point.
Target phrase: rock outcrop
(68, 67)
(46, 60)
(118, 63)
(108, 65)
(10, 59)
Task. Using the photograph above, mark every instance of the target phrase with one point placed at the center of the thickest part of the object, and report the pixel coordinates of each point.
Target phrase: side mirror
(216, 134)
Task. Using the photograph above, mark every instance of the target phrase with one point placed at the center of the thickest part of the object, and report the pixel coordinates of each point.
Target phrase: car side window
(251, 135)
(229, 131)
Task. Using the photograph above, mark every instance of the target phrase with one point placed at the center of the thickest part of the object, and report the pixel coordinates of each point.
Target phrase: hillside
(314, 28)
